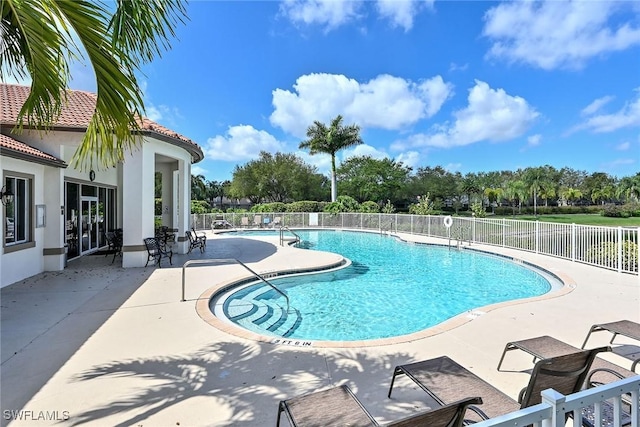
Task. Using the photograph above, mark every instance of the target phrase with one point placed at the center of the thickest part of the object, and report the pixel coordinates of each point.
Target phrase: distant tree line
(388, 184)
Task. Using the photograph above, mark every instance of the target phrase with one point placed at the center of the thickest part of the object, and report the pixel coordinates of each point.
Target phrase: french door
(91, 220)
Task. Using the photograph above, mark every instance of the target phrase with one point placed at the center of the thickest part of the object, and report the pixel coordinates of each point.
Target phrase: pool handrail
(211, 261)
(283, 227)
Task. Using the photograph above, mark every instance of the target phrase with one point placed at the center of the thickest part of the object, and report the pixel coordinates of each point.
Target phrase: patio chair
(257, 220)
(442, 378)
(277, 222)
(625, 328)
(244, 221)
(114, 244)
(195, 241)
(338, 406)
(155, 251)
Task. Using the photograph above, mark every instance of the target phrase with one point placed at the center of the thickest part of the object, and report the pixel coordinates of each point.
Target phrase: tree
(330, 140)
(279, 177)
(493, 195)
(38, 42)
(571, 195)
(198, 187)
(515, 192)
(629, 188)
(365, 178)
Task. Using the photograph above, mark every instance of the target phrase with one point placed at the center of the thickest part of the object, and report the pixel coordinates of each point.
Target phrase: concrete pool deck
(97, 344)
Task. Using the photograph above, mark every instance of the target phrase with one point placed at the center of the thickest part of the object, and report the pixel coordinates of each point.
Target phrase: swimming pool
(391, 288)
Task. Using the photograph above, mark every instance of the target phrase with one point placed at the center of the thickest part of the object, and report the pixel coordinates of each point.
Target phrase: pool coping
(204, 311)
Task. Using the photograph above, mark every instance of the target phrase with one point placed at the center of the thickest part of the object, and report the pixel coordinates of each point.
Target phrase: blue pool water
(392, 288)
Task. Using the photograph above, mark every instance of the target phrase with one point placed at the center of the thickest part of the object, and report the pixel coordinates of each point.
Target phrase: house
(56, 212)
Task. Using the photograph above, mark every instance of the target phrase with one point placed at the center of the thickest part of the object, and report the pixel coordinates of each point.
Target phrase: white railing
(555, 406)
(614, 248)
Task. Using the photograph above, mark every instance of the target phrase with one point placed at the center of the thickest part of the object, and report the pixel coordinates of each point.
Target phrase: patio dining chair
(442, 378)
(338, 406)
(195, 241)
(155, 251)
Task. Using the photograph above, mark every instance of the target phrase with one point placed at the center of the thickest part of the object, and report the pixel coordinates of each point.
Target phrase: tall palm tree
(330, 140)
(629, 188)
(516, 191)
(571, 195)
(39, 40)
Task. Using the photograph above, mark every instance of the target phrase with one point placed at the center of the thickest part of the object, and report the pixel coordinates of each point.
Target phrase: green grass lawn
(584, 219)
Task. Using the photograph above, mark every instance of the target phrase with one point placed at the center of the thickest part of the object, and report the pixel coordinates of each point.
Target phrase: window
(18, 212)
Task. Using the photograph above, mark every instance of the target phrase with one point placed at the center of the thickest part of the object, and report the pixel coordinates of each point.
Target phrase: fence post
(619, 246)
(555, 400)
(504, 232)
(573, 242)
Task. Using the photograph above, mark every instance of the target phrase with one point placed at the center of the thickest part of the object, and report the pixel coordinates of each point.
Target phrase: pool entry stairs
(258, 311)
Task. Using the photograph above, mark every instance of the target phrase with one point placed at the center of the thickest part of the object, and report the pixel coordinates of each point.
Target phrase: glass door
(90, 224)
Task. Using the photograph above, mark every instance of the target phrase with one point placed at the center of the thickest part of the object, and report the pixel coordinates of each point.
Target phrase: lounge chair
(443, 379)
(338, 406)
(257, 221)
(156, 251)
(195, 241)
(244, 221)
(277, 222)
(545, 346)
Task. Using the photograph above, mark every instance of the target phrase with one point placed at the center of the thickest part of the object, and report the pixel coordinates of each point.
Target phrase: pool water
(391, 288)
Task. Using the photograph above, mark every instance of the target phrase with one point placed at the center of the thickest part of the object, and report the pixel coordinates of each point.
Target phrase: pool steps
(257, 312)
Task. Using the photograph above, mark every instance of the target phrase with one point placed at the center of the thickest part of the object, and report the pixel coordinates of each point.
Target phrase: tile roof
(77, 113)
(10, 146)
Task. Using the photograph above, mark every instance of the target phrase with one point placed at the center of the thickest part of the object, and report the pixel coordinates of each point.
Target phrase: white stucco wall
(23, 263)
(134, 180)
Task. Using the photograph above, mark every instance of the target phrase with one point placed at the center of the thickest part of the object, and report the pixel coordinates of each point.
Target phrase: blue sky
(470, 86)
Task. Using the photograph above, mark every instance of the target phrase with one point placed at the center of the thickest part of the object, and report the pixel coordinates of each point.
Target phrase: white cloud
(534, 140)
(241, 142)
(328, 13)
(559, 34)
(331, 14)
(385, 102)
(363, 150)
(401, 12)
(492, 115)
(623, 146)
(596, 105)
(453, 167)
(627, 116)
(197, 170)
(409, 158)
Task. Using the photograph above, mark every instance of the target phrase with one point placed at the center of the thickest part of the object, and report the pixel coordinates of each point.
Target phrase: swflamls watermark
(26, 415)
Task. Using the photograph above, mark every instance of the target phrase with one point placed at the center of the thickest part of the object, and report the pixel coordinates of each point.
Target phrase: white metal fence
(614, 248)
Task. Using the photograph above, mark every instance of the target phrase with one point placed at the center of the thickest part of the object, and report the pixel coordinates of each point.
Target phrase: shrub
(607, 253)
(269, 207)
(369, 207)
(304, 206)
(199, 207)
(424, 206)
(478, 209)
(342, 204)
(388, 208)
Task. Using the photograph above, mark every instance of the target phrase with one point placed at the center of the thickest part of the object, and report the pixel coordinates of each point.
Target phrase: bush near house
(607, 253)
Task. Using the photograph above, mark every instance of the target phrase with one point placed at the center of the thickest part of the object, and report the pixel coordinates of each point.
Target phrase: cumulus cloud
(491, 115)
(331, 14)
(242, 142)
(409, 158)
(401, 12)
(559, 34)
(385, 102)
(327, 13)
(627, 116)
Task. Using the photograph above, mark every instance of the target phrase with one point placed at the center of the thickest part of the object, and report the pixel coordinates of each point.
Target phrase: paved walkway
(100, 345)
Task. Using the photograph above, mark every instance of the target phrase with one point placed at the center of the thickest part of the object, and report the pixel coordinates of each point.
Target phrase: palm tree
(571, 195)
(198, 187)
(39, 41)
(330, 140)
(516, 191)
(629, 187)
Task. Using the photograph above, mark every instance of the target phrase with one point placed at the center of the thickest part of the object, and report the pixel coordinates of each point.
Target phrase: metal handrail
(298, 239)
(227, 261)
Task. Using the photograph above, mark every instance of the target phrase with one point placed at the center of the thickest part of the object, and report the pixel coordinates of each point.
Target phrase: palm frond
(114, 125)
